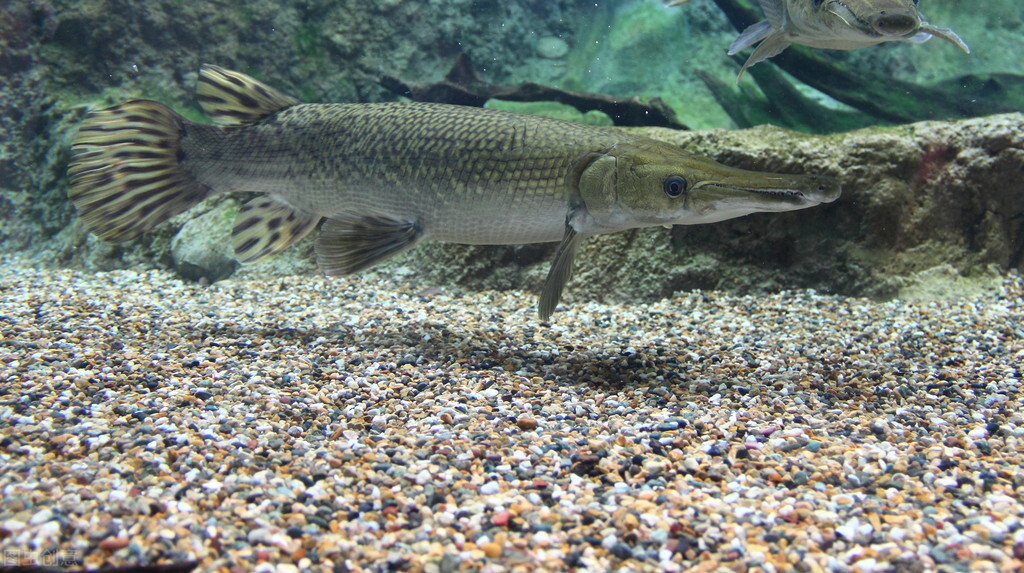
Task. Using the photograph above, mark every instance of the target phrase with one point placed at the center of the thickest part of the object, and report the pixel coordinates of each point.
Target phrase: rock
(945, 282)
(526, 423)
(114, 543)
(621, 550)
(655, 466)
(40, 517)
(489, 488)
(552, 48)
(202, 248)
(501, 518)
(492, 549)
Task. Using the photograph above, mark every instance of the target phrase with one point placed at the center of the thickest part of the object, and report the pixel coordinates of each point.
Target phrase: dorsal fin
(231, 98)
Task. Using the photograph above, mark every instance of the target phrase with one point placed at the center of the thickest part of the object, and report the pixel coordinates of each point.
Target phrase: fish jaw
(662, 185)
(734, 193)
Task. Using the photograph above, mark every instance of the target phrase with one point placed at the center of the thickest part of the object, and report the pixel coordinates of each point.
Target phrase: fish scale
(438, 156)
(378, 178)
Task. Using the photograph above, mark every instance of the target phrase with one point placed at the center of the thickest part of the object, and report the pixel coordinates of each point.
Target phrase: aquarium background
(59, 59)
(707, 398)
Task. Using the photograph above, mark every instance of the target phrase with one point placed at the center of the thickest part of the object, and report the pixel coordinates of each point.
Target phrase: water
(705, 396)
(61, 59)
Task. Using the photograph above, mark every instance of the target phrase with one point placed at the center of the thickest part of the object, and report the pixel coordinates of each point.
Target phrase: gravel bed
(358, 425)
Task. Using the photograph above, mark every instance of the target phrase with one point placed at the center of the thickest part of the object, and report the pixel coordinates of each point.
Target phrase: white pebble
(489, 488)
(40, 517)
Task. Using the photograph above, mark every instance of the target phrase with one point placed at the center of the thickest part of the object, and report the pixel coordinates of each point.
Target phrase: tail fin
(126, 173)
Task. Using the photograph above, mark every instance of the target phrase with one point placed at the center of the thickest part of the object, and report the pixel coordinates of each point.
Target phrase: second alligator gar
(385, 176)
(835, 25)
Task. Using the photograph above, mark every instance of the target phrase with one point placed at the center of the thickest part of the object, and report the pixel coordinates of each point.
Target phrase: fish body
(836, 25)
(419, 162)
(378, 178)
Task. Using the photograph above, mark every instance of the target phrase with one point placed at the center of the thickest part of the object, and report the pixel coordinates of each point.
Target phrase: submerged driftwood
(876, 95)
(779, 102)
(463, 86)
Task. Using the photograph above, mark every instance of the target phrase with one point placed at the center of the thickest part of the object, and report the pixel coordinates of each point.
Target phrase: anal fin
(266, 226)
(351, 243)
(559, 274)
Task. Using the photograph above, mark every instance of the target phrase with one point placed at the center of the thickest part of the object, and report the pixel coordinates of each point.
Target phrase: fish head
(852, 24)
(881, 20)
(664, 185)
(894, 18)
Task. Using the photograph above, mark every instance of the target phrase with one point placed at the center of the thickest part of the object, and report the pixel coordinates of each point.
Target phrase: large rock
(202, 249)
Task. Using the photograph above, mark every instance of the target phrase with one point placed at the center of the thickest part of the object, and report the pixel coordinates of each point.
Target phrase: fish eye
(674, 186)
(818, 3)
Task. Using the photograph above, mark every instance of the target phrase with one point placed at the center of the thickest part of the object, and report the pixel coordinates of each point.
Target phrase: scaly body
(382, 177)
(425, 162)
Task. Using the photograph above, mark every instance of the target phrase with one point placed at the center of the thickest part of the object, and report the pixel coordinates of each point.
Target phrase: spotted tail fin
(126, 170)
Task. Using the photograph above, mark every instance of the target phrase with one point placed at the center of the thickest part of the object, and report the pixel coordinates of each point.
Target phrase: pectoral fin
(750, 36)
(351, 243)
(944, 33)
(772, 46)
(266, 226)
(920, 38)
(559, 274)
